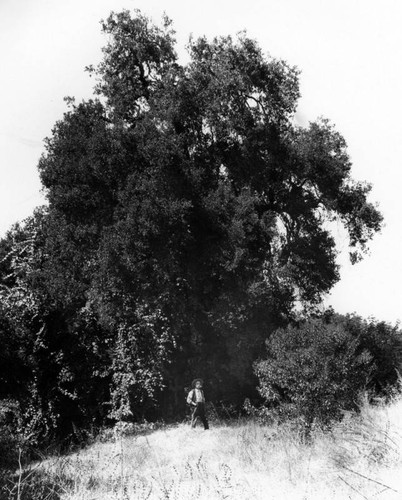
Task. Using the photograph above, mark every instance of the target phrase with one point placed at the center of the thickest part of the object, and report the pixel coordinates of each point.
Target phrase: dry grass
(360, 458)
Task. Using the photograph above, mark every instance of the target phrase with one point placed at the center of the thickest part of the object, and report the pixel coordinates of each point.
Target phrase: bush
(314, 371)
(8, 437)
(8, 441)
(384, 342)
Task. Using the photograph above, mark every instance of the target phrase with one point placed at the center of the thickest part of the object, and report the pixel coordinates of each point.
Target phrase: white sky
(350, 54)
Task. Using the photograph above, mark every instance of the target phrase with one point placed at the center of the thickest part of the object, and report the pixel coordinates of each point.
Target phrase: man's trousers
(199, 412)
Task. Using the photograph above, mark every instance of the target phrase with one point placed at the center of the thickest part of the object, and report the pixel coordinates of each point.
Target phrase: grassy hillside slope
(360, 458)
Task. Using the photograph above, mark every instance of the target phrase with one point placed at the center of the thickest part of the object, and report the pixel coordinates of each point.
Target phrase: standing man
(196, 400)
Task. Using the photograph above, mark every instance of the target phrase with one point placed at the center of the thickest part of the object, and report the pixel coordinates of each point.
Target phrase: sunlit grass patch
(359, 458)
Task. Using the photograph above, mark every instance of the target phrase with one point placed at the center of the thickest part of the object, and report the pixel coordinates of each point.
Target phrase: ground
(360, 458)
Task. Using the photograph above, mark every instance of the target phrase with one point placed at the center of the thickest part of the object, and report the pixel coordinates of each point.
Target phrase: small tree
(313, 372)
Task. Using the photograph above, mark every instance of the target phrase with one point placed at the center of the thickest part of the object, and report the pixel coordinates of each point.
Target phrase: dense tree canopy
(187, 215)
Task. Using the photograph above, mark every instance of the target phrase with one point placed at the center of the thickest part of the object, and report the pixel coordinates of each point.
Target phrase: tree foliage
(187, 215)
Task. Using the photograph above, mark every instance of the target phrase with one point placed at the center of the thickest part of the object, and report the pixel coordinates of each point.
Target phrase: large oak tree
(189, 212)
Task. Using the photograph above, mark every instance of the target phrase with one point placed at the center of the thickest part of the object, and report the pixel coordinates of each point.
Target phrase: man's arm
(190, 400)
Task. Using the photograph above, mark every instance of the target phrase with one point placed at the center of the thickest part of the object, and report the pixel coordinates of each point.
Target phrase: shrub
(8, 441)
(384, 342)
(314, 371)
(8, 436)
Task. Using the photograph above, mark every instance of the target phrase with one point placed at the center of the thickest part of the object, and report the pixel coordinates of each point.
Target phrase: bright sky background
(350, 54)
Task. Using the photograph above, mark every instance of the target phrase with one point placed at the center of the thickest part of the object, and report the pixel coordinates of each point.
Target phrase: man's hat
(197, 380)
